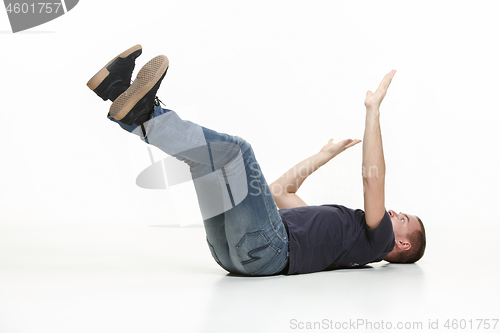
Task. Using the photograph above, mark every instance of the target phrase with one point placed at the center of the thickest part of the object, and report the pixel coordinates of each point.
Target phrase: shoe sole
(97, 79)
(146, 79)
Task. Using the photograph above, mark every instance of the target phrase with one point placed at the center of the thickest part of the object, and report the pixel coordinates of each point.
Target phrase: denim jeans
(244, 230)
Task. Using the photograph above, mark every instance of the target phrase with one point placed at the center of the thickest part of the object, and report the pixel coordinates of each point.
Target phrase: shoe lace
(157, 101)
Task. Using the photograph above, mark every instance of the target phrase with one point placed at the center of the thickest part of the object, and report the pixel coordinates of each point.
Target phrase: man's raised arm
(373, 156)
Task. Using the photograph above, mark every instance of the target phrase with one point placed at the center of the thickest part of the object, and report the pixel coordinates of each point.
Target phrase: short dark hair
(418, 242)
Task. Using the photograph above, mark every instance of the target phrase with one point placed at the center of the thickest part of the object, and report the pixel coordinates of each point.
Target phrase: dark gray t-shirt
(334, 236)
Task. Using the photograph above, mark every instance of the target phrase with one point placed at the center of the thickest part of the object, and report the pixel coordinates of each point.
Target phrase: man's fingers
(390, 75)
(347, 141)
(388, 78)
(354, 142)
(383, 85)
(386, 81)
(351, 143)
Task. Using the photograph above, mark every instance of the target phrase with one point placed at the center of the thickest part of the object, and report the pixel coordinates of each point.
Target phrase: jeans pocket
(214, 255)
(256, 252)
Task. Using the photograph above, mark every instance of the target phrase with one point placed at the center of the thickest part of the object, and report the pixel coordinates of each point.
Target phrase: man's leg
(256, 239)
(244, 230)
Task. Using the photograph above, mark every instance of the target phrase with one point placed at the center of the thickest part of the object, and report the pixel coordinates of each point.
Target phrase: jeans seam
(281, 267)
(215, 256)
(268, 208)
(228, 187)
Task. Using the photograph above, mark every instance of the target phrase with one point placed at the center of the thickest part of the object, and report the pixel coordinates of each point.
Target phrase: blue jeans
(244, 230)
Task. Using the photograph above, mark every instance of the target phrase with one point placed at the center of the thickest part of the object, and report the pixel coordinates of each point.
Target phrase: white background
(286, 76)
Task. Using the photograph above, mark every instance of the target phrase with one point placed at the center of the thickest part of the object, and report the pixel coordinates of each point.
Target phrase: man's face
(403, 224)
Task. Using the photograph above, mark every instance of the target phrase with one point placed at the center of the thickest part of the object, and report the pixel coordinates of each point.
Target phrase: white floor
(297, 71)
(67, 278)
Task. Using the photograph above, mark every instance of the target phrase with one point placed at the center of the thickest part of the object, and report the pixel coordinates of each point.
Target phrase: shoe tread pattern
(147, 77)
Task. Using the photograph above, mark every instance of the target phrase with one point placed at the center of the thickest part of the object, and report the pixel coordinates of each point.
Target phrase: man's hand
(373, 100)
(332, 149)
(284, 188)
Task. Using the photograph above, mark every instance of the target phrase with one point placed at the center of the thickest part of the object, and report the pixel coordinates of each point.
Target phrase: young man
(246, 233)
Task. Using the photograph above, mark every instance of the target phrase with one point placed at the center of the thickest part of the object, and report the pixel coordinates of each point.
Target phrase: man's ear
(403, 244)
